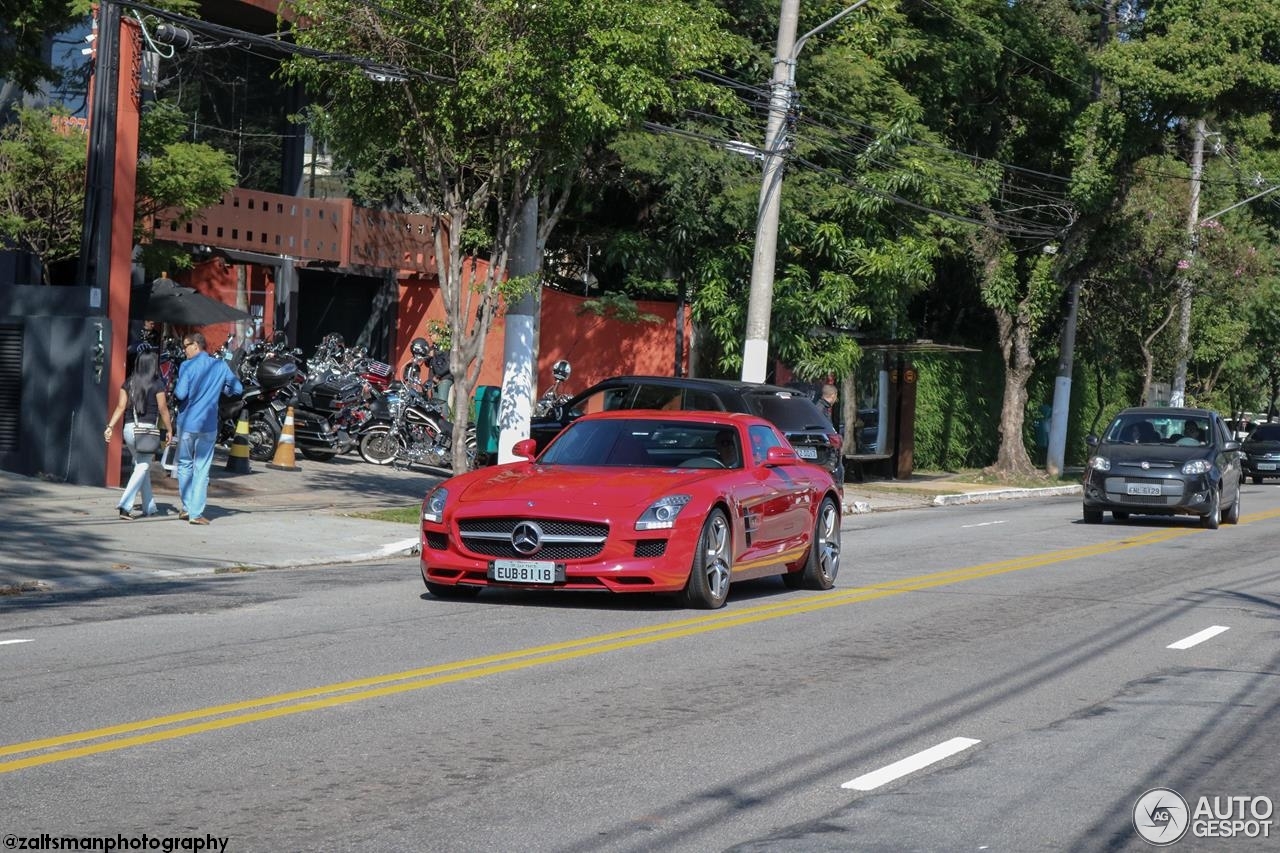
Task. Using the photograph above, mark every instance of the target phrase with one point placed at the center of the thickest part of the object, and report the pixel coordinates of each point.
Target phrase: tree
(485, 105)
(42, 167)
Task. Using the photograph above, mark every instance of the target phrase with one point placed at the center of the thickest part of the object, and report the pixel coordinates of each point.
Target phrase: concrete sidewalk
(59, 537)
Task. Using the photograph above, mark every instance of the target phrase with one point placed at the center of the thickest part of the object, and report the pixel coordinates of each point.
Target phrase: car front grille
(561, 540)
(651, 548)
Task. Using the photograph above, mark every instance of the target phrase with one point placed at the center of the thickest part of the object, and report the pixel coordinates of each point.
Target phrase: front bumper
(1142, 493)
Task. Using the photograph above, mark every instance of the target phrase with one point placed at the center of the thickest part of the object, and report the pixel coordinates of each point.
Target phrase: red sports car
(638, 501)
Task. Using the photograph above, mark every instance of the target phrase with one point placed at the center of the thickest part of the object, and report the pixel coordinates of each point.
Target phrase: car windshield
(1266, 432)
(1159, 429)
(645, 443)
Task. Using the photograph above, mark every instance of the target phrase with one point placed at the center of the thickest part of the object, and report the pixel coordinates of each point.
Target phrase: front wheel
(1092, 516)
(708, 585)
(1232, 515)
(823, 562)
(1213, 517)
(378, 445)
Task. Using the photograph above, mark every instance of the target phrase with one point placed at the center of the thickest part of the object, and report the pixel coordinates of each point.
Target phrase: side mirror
(1091, 440)
(1231, 445)
(780, 456)
(526, 449)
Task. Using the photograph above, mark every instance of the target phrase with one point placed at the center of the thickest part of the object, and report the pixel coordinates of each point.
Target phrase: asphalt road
(341, 708)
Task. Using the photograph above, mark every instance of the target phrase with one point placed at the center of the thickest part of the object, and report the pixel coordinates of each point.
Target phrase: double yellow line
(35, 753)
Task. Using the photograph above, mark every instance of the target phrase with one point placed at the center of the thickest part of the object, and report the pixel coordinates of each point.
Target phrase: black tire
(378, 446)
(1092, 516)
(315, 454)
(1257, 481)
(263, 435)
(1120, 516)
(823, 561)
(1232, 515)
(442, 590)
(1213, 517)
(708, 584)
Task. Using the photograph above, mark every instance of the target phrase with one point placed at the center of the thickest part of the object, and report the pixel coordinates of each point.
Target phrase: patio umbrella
(166, 302)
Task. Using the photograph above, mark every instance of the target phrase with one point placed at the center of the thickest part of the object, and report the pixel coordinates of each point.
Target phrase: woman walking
(144, 396)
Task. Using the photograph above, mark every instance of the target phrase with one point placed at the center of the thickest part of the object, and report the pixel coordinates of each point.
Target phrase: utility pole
(755, 351)
(1178, 393)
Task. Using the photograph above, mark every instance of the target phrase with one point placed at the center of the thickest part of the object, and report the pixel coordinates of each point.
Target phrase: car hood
(1260, 446)
(525, 485)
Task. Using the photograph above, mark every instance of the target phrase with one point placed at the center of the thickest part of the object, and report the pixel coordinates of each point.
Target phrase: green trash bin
(484, 414)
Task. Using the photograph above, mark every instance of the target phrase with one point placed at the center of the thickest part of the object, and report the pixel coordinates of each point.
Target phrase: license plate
(1266, 466)
(807, 452)
(1141, 489)
(525, 571)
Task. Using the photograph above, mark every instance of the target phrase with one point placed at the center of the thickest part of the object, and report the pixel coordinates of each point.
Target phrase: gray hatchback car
(1164, 461)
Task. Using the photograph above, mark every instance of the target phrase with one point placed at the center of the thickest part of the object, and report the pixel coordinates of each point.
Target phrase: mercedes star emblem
(526, 537)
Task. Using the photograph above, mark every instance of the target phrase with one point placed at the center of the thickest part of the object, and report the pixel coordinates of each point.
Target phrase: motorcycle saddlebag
(335, 393)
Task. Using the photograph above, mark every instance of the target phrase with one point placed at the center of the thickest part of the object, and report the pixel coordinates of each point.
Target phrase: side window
(762, 438)
(702, 401)
(601, 401)
(655, 397)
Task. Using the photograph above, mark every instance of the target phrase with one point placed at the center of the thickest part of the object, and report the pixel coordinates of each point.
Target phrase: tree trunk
(1013, 460)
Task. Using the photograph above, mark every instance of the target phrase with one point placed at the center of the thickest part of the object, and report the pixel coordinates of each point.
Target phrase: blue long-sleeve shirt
(202, 379)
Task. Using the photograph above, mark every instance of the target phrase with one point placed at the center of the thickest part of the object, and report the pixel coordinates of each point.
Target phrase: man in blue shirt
(202, 380)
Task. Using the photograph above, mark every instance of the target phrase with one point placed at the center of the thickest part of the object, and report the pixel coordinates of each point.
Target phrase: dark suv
(791, 411)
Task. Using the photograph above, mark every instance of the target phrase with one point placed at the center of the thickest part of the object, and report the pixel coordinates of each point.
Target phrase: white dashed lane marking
(1198, 638)
(910, 764)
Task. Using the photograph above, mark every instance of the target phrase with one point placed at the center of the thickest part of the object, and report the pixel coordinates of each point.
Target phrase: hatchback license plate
(525, 571)
(807, 452)
(1141, 489)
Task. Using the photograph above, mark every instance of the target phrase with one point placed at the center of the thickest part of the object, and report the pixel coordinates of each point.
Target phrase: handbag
(146, 437)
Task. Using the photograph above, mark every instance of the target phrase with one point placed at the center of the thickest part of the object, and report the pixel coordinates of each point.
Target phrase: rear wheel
(708, 585)
(823, 562)
(317, 455)
(1213, 517)
(263, 434)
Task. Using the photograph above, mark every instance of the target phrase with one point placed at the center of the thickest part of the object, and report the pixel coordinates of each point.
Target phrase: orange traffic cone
(284, 459)
(238, 452)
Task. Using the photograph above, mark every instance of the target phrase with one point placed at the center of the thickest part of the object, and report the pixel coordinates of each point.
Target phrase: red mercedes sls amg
(638, 501)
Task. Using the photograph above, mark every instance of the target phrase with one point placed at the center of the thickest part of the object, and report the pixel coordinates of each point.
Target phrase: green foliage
(42, 185)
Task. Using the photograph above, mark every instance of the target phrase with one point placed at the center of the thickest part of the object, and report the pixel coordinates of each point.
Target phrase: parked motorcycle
(406, 427)
(553, 398)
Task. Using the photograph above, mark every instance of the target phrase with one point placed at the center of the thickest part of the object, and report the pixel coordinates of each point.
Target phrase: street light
(755, 352)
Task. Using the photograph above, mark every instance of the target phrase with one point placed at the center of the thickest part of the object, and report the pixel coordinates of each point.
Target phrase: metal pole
(755, 350)
(1178, 393)
(1056, 452)
(95, 234)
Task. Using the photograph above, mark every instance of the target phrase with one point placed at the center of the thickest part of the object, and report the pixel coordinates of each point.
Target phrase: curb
(1005, 494)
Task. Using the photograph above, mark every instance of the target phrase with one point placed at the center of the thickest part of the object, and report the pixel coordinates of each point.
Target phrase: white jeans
(140, 480)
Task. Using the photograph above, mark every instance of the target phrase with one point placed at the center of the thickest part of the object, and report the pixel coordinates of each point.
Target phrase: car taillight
(834, 439)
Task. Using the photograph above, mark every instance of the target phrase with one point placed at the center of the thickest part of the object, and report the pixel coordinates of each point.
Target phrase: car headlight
(1197, 466)
(1099, 463)
(433, 505)
(661, 514)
